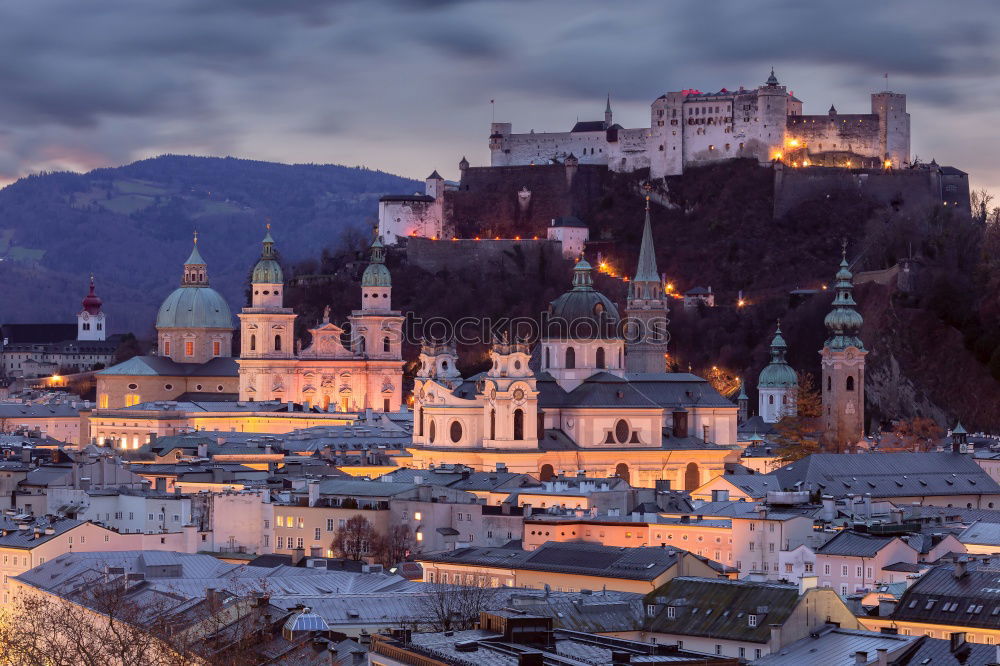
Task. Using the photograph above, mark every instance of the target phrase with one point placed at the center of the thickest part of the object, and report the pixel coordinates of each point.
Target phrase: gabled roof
(838, 646)
(754, 485)
(589, 126)
(987, 534)
(718, 608)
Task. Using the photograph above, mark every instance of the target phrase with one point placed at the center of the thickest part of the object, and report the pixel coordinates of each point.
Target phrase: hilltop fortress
(546, 187)
(690, 127)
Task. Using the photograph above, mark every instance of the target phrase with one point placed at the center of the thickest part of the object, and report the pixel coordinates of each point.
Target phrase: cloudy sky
(405, 86)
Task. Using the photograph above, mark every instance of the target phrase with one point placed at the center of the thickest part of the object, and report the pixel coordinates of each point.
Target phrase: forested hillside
(132, 226)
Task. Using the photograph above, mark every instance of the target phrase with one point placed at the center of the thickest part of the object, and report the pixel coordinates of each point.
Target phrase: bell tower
(90, 321)
(511, 418)
(646, 312)
(267, 328)
(843, 364)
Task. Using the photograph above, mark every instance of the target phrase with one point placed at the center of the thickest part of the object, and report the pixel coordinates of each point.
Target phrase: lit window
(216, 348)
(189, 348)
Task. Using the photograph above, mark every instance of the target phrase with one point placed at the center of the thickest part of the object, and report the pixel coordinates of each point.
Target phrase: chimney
(297, 555)
(860, 658)
(961, 567)
(313, 487)
(883, 656)
(203, 450)
(775, 643)
(161, 484)
(720, 495)
(957, 641)
(505, 508)
(885, 607)
(527, 511)
(621, 657)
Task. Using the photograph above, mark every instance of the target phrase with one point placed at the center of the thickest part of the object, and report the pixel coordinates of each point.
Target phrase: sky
(405, 86)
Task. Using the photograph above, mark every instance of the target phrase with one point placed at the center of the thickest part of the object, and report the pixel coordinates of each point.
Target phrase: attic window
(672, 612)
(930, 604)
(752, 620)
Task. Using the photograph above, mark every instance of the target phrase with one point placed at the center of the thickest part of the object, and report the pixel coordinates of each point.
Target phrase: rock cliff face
(918, 366)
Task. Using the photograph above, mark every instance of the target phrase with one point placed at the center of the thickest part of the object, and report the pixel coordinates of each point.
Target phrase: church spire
(646, 270)
(843, 323)
(607, 113)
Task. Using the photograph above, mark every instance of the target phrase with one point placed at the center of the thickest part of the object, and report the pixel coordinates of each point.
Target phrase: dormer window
(671, 612)
(751, 620)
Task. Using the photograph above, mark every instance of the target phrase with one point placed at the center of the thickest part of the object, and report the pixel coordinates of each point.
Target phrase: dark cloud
(404, 85)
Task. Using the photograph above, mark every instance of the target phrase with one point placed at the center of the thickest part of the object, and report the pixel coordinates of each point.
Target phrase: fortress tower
(646, 311)
(843, 365)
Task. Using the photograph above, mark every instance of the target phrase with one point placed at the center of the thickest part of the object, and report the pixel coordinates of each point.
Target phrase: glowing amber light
(888, 164)
(517, 238)
(805, 162)
(794, 143)
(740, 303)
(777, 156)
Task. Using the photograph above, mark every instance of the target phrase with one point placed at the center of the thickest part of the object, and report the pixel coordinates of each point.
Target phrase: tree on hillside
(801, 434)
(355, 538)
(918, 434)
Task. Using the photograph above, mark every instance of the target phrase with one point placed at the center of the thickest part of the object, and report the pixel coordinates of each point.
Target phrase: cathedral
(193, 363)
(337, 371)
(592, 396)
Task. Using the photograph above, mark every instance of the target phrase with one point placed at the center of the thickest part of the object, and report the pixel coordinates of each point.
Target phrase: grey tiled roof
(719, 608)
(939, 597)
(888, 474)
(28, 539)
(854, 544)
(754, 485)
(987, 534)
(167, 367)
(837, 647)
(21, 410)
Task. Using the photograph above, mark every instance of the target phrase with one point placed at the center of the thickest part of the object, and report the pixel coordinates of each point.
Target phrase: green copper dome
(194, 304)
(582, 312)
(267, 270)
(194, 307)
(376, 274)
(777, 373)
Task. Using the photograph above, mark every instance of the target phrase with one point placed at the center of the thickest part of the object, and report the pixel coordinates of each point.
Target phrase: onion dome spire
(772, 80)
(582, 279)
(267, 270)
(777, 373)
(376, 274)
(92, 302)
(843, 323)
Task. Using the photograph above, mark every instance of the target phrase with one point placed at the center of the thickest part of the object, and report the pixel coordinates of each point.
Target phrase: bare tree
(456, 607)
(355, 538)
(394, 547)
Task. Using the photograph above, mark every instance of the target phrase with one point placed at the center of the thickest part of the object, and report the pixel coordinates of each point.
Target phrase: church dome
(376, 274)
(582, 312)
(194, 307)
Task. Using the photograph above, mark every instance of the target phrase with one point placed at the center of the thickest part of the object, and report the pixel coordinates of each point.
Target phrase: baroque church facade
(592, 396)
(337, 371)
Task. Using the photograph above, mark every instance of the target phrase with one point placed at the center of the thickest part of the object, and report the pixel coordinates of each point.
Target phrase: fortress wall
(851, 133)
(488, 202)
(484, 255)
(918, 188)
(540, 148)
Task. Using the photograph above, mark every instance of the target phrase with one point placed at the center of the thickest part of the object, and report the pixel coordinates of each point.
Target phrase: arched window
(493, 424)
(361, 345)
(277, 343)
(621, 471)
(518, 424)
(432, 432)
(692, 477)
(829, 383)
(850, 383)
(386, 344)
(420, 422)
(570, 358)
(600, 357)
(770, 399)
(546, 472)
(548, 357)
(456, 432)
(253, 343)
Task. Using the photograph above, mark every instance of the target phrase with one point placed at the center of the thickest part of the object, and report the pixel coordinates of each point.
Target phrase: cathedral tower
(267, 328)
(843, 364)
(511, 415)
(646, 311)
(90, 322)
(777, 384)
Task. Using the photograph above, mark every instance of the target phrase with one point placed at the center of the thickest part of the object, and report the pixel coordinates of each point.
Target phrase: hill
(132, 225)
(931, 346)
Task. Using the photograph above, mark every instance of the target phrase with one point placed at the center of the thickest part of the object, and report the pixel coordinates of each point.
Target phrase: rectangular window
(267, 524)
(102, 401)
(166, 347)
(843, 570)
(300, 542)
(279, 521)
(859, 572)
(756, 653)
(267, 539)
(317, 534)
(329, 525)
(216, 348)
(189, 348)
(671, 612)
(826, 569)
(809, 567)
(718, 649)
(302, 523)
(281, 542)
(751, 620)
